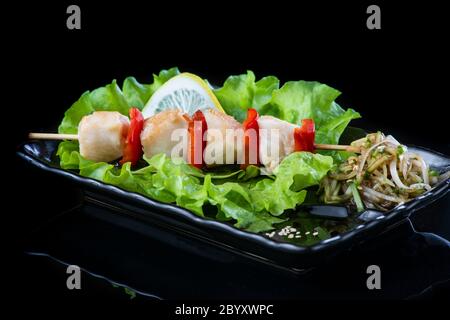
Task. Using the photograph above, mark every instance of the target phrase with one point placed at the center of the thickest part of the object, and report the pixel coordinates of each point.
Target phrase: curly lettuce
(251, 206)
(112, 98)
(294, 101)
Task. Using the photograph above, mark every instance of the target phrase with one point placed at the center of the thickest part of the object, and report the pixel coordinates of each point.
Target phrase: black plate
(41, 154)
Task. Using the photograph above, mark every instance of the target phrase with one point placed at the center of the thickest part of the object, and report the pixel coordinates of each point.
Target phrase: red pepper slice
(251, 138)
(133, 148)
(197, 128)
(304, 136)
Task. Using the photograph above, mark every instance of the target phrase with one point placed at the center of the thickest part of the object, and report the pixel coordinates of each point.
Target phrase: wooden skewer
(62, 136)
(338, 147)
(52, 136)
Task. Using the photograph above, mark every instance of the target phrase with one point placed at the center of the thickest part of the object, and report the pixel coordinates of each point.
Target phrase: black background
(395, 77)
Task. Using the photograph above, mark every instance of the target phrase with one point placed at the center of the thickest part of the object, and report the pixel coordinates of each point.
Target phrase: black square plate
(41, 154)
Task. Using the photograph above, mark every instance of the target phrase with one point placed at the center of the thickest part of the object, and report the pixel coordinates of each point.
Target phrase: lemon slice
(186, 92)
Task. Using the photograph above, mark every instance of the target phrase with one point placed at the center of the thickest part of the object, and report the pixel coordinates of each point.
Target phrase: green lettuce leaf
(296, 172)
(294, 101)
(176, 182)
(331, 130)
(252, 206)
(303, 169)
(241, 92)
(112, 98)
(298, 100)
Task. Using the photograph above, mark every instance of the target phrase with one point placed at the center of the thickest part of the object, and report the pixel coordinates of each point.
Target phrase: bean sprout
(386, 174)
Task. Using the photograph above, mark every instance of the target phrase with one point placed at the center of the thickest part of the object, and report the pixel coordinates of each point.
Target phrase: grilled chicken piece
(276, 141)
(160, 134)
(222, 148)
(102, 135)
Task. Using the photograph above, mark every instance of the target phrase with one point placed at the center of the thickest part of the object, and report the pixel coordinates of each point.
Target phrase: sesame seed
(315, 233)
(290, 236)
(298, 236)
(298, 232)
(293, 229)
(307, 232)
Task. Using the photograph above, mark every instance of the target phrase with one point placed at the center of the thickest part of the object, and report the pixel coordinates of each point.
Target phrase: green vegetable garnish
(433, 173)
(294, 101)
(357, 198)
(401, 150)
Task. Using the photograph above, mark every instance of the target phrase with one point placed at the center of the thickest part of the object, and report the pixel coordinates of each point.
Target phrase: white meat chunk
(276, 141)
(102, 135)
(166, 132)
(223, 138)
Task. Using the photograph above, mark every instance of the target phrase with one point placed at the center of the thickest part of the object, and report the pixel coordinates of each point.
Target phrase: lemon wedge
(186, 92)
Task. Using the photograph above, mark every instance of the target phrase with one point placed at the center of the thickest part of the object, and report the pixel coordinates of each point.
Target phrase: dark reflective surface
(162, 265)
(330, 212)
(370, 215)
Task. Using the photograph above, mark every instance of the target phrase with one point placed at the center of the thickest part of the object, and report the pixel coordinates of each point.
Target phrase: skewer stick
(62, 136)
(52, 136)
(338, 147)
